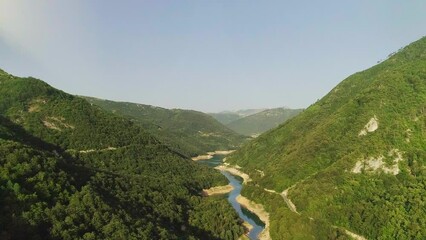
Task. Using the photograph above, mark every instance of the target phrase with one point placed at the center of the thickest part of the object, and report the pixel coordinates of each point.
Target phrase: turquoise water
(236, 182)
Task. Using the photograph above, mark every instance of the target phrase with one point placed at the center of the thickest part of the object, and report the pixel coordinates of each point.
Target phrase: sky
(203, 55)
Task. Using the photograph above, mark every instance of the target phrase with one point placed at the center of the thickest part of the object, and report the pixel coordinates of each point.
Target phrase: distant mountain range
(227, 117)
(190, 132)
(253, 122)
(353, 163)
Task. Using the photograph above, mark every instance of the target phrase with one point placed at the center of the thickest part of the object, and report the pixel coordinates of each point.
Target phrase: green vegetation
(69, 170)
(190, 132)
(261, 122)
(317, 151)
(285, 224)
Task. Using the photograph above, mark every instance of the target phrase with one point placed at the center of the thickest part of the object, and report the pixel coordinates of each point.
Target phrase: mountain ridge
(344, 159)
(226, 117)
(189, 131)
(257, 123)
(70, 170)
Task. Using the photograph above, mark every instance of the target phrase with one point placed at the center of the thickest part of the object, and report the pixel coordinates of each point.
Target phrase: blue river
(236, 182)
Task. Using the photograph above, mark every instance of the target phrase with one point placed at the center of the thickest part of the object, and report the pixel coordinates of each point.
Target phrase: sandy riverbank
(202, 157)
(210, 155)
(218, 190)
(246, 178)
(221, 152)
(260, 212)
(247, 226)
(257, 209)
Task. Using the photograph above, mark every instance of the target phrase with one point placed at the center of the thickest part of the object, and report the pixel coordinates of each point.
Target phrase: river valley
(237, 184)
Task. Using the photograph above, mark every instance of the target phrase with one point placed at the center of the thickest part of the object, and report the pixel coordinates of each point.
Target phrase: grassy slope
(189, 131)
(317, 149)
(262, 121)
(49, 189)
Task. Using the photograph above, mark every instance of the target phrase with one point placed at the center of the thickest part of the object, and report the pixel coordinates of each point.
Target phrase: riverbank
(202, 157)
(218, 190)
(210, 155)
(234, 171)
(253, 207)
(247, 227)
(260, 212)
(257, 227)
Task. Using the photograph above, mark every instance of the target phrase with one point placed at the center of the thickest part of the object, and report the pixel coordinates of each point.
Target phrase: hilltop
(227, 117)
(257, 123)
(190, 132)
(353, 161)
(70, 170)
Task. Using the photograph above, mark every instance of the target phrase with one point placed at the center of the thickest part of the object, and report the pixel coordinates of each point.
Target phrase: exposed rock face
(371, 126)
(376, 164)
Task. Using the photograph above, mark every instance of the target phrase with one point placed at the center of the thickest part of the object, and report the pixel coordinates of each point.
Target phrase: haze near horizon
(208, 56)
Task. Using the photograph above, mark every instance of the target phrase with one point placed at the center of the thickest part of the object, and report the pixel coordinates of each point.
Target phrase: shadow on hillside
(19, 134)
(66, 162)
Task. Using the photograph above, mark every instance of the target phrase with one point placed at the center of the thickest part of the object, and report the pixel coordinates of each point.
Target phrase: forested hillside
(354, 160)
(261, 122)
(69, 170)
(187, 131)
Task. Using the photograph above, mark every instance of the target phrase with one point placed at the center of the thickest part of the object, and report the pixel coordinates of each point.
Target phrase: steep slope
(69, 170)
(188, 131)
(354, 160)
(258, 123)
(226, 117)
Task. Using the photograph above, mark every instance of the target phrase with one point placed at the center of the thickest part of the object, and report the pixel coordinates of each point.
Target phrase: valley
(212, 120)
(338, 169)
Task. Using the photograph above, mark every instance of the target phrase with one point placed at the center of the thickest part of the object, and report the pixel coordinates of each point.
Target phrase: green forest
(189, 132)
(69, 170)
(315, 153)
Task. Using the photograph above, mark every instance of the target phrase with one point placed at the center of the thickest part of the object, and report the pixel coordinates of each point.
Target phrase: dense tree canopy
(189, 132)
(69, 170)
(315, 154)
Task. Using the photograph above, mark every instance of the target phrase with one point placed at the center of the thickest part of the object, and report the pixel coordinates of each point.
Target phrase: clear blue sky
(203, 55)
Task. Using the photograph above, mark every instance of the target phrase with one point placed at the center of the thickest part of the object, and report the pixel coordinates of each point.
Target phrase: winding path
(284, 195)
(292, 208)
(287, 200)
